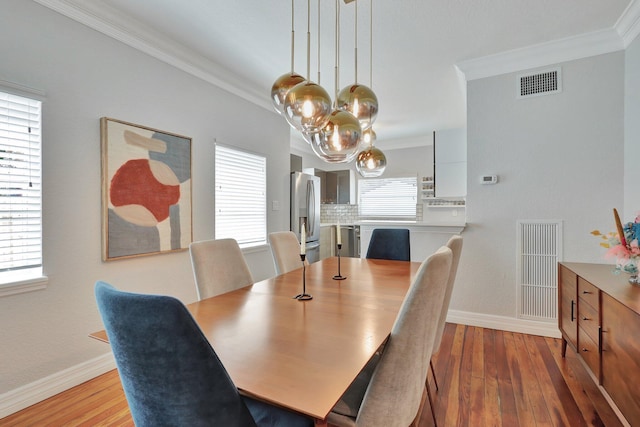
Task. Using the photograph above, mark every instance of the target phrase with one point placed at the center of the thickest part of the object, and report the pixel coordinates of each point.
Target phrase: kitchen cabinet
(599, 316)
(450, 163)
(327, 241)
(346, 187)
(337, 187)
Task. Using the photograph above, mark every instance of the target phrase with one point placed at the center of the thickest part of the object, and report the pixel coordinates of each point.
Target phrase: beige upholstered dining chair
(285, 249)
(455, 244)
(392, 396)
(218, 267)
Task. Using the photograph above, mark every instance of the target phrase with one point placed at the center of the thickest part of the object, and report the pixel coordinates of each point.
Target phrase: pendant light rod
(293, 36)
(371, 45)
(308, 40)
(356, 44)
(318, 41)
(337, 52)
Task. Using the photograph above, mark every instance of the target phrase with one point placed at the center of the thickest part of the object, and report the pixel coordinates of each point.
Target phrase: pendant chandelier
(333, 133)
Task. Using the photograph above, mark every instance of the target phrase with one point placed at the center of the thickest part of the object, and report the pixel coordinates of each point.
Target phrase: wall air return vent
(540, 83)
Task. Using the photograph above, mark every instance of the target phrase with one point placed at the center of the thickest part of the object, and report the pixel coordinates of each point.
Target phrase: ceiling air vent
(541, 83)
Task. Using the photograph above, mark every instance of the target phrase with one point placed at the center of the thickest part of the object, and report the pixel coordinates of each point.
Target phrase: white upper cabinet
(450, 154)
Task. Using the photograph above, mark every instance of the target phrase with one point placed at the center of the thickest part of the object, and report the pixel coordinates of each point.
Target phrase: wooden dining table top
(303, 355)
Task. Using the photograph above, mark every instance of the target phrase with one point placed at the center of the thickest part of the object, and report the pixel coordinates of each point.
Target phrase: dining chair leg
(423, 398)
(433, 412)
(435, 381)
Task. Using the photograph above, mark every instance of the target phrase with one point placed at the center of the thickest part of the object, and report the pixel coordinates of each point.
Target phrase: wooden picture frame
(146, 190)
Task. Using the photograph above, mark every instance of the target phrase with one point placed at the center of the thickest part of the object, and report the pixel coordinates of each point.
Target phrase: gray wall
(558, 157)
(632, 131)
(87, 75)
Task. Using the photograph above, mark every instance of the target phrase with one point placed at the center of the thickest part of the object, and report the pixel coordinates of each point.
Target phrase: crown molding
(98, 16)
(541, 55)
(628, 25)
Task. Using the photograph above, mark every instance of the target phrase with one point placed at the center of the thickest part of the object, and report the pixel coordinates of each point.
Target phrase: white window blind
(380, 198)
(20, 188)
(240, 196)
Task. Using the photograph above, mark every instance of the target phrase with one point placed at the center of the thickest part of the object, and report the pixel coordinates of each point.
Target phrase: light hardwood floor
(486, 378)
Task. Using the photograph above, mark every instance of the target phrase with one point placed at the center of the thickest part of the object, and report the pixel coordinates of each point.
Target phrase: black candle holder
(339, 276)
(304, 296)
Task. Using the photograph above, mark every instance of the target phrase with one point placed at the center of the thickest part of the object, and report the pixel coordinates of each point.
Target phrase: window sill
(23, 286)
(253, 249)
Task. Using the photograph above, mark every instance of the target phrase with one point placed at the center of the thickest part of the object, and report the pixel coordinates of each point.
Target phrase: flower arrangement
(623, 244)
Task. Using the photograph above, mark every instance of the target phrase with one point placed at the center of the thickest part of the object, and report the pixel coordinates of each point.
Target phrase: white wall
(632, 131)
(558, 157)
(87, 75)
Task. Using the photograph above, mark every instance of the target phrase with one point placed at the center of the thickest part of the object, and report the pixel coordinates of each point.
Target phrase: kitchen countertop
(391, 223)
(440, 226)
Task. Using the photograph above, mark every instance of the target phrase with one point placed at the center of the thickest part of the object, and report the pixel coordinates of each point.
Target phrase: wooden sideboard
(599, 318)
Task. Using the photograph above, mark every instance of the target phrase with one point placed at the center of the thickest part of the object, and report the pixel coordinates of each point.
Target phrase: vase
(634, 279)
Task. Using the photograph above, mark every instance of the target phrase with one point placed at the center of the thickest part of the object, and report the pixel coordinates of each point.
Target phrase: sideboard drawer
(588, 319)
(588, 292)
(588, 349)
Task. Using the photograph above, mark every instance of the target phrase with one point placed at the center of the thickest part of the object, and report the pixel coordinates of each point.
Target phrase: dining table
(302, 355)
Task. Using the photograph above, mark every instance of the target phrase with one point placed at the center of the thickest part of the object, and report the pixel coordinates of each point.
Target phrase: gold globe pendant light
(285, 82)
(307, 105)
(358, 99)
(369, 136)
(281, 87)
(371, 162)
(337, 141)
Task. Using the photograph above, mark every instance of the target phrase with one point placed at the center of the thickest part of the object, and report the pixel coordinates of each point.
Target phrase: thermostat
(489, 179)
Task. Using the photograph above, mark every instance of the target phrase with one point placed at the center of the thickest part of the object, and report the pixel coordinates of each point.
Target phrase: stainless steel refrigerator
(305, 209)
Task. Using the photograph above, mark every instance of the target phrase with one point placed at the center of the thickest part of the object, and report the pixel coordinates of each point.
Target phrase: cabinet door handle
(573, 303)
(585, 318)
(599, 339)
(585, 350)
(587, 292)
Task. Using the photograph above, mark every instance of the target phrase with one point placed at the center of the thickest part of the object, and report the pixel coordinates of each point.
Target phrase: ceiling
(243, 46)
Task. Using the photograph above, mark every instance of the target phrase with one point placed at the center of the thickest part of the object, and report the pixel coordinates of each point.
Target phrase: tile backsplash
(330, 213)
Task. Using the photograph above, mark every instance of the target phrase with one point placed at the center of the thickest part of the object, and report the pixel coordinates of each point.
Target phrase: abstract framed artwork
(146, 190)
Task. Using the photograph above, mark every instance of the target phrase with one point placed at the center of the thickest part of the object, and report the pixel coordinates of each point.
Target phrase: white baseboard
(37, 391)
(27, 395)
(504, 323)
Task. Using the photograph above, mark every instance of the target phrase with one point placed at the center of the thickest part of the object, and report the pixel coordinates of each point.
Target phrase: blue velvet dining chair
(170, 373)
(390, 243)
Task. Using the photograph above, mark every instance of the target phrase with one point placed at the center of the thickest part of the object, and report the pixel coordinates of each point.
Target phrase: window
(240, 196)
(20, 190)
(383, 198)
